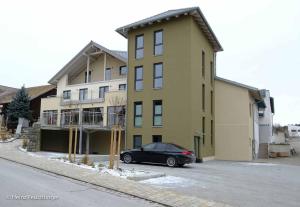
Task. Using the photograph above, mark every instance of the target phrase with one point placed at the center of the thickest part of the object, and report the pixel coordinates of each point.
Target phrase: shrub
(25, 143)
(85, 159)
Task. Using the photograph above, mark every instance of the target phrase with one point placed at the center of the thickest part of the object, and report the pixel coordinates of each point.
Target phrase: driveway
(235, 183)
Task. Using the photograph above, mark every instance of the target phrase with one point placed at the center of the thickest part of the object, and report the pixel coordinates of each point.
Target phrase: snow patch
(259, 164)
(170, 181)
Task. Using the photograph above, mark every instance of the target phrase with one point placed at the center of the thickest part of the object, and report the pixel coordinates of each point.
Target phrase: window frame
(158, 77)
(139, 48)
(212, 72)
(69, 95)
(134, 141)
(158, 44)
(203, 97)
(137, 115)
(123, 84)
(90, 77)
(154, 115)
(203, 63)
(85, 95)
(135, 78)
(104, 87)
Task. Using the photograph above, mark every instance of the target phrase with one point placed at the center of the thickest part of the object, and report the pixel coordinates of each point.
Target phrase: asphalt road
(25, 186)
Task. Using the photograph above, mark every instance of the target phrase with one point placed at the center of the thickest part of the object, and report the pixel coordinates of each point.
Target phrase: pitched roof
(79, 61)
(33, 92)
(192, 11)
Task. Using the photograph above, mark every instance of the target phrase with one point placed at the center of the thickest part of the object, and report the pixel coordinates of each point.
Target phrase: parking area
(235, 183)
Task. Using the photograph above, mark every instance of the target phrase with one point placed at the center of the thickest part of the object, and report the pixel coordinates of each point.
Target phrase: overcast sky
(261, 40)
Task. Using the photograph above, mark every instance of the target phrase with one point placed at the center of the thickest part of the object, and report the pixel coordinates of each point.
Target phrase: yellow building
(91, 94)
(236, 115)
(171, 67)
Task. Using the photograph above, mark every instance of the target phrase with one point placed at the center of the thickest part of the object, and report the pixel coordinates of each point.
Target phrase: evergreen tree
(20, 106)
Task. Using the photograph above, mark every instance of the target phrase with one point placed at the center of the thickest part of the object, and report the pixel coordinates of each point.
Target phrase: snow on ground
(170, 181)
(258, 164)
(7, 140)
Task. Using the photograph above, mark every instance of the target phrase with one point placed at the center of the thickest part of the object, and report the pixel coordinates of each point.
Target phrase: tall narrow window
(85, 77)
(83, 94)
(67, 95)
(212, 102)
(158, 42)
(212, 75)
(137, 141)
(139, 46)
(158, 75)
(212, 132)
(203, 130)
(157, 113)
(102, 91)
(107, 74)
(138, 114)
(139, 78)
(156, 138)
(203, 64)
(203, 97)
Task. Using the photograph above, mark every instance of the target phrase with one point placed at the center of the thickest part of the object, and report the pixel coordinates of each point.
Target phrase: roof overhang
(80, 60)
(195, 12)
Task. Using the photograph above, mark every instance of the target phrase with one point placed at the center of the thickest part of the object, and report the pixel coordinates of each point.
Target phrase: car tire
(171, 162)
(127, 158)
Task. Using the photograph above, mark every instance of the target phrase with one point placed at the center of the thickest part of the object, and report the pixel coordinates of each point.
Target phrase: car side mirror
(142, 149)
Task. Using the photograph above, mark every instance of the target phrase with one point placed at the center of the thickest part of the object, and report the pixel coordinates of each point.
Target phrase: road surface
(25, 186)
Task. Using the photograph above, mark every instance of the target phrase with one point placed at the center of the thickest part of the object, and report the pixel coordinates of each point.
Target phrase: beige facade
(235, 111)
(183, 85)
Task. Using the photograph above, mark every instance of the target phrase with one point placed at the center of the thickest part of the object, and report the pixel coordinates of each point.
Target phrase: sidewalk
(165, 197)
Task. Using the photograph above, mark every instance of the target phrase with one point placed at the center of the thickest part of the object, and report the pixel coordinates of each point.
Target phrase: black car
(165, 153)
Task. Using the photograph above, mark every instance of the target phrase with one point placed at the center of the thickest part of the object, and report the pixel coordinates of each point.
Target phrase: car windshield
(148, 147)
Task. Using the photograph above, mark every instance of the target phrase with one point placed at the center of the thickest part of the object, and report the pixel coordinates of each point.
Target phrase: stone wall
(34, 138)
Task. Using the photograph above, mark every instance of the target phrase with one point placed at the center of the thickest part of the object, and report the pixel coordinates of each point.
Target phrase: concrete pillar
(87, 143)
(80, 132)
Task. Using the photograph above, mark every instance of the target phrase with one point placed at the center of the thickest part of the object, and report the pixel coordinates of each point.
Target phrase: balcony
(86, 119)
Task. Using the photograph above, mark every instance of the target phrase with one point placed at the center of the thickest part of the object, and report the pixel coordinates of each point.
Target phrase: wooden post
(114, 146)
(111, 149)
(75, 144)
(119, 146)
(70, 142)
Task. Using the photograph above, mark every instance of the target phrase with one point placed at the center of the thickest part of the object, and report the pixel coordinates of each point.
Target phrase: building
(171, 68)
(266, 112)
(35, 95)
(293, 131)
(237, 124)
(91, 95)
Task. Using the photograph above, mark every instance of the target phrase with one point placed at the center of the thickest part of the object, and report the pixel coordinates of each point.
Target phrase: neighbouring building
(91, 95)
(293, 131)
(237, 122)
(266, 112)
(171, 68)
(35, 94)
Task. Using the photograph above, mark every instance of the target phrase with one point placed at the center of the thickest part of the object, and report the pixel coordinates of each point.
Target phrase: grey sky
(260, 40)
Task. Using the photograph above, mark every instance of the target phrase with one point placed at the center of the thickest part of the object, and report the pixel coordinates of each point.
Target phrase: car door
(159, 153)
(146, 155)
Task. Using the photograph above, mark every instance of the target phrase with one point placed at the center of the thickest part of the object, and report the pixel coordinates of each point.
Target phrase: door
(146, 155)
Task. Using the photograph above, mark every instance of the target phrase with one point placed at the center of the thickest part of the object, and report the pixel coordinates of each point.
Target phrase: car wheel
(127, 158)
(171, 162)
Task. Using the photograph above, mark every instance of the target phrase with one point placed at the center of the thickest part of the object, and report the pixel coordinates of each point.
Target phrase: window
(158, 75)
(83, 94)
(212, 76)
(122, 87)
(123, 70)
(293, 130)
(67, 95)
(138, 114)
(203, 130)
(156, 138)
(150, 147)
(203, 97)
(107, 74)
(137, 141)
(139, 78)
(139, 46)
(102, 91)
(212, 132)
(203, 64)
(90, 77)
(157, 113)
(158, 42)
(212, 102)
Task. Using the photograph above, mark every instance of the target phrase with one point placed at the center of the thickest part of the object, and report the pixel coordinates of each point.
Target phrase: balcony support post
(80, 131)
